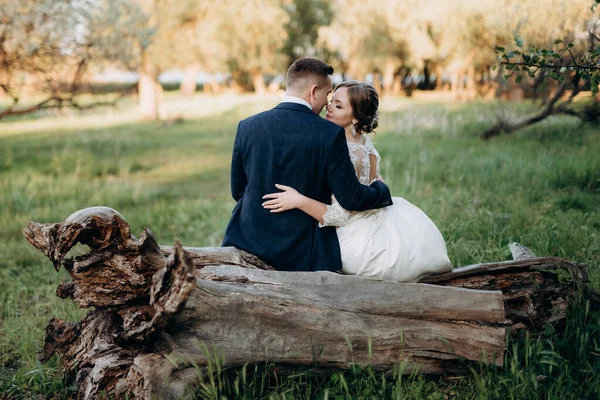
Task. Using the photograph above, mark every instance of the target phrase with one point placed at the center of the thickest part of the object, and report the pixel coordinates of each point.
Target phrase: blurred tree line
(401, 45)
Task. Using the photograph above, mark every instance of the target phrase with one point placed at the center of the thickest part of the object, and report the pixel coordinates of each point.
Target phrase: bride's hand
(288, 199)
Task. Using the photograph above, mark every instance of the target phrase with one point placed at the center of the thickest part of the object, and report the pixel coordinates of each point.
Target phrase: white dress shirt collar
(297, 100)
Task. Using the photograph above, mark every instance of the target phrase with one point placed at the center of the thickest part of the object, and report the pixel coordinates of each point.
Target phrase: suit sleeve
(238, 175)
(345, 186)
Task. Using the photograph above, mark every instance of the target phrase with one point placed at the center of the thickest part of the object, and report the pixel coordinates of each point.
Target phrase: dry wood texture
(160, 312)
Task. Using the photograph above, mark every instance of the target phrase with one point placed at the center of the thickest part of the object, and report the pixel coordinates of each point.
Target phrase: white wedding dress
(397, 243)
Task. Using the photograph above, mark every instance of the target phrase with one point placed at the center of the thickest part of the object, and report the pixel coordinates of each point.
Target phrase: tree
(52, 44)
(253, 35)
(195, 41)
(366, 38)
(305, 17)
(155, 55)
(569, 63)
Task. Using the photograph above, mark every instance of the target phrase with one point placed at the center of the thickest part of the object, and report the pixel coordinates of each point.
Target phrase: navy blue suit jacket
(291, 145)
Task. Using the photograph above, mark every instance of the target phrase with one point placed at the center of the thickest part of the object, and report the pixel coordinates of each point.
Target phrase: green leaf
(570, 45)
(494, 67)
(499, 49)
(518, 41)
(510, 66)
(519, 78)
(558, 41)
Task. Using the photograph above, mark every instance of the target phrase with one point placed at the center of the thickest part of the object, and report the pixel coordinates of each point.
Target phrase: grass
(540, 187)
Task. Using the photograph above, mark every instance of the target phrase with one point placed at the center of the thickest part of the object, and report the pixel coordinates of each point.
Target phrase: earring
(353, 130)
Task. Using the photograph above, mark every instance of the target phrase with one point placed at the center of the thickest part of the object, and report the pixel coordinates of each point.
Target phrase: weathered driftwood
(158, 309)
(533, 293)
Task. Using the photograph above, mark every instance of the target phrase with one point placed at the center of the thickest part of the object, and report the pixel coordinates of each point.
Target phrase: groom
(293, 146)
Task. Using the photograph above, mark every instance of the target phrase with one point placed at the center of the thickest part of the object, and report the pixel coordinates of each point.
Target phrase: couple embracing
(333, 212)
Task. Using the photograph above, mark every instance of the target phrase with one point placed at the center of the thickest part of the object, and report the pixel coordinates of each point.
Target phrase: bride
(397, 243)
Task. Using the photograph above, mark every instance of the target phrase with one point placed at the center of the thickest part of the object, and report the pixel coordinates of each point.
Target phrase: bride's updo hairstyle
(364, 101)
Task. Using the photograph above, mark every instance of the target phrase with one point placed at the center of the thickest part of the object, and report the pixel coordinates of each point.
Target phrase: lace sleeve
(336, 215)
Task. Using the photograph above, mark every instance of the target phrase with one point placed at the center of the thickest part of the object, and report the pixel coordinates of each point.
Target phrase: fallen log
(160, 312)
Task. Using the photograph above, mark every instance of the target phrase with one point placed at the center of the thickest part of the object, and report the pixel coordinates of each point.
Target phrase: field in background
(540, 187)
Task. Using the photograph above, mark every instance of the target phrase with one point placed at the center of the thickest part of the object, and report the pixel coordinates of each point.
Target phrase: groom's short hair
(302, 70)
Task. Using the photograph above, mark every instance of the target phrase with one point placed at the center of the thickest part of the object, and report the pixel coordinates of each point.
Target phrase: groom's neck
(302, 96)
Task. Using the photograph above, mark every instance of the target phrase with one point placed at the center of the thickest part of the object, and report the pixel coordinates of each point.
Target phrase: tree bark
(471, 84)
(188, 85)
(214, 86)
(388, 77)
(439, 72)
(162, 313)
(150, 90)
(426, 75)
(258, 81)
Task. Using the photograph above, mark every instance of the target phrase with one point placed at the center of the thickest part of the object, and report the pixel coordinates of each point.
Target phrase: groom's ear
(313, 90)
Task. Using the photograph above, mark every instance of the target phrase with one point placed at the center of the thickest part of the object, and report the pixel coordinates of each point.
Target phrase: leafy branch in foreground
(569, 66)
(559, 65)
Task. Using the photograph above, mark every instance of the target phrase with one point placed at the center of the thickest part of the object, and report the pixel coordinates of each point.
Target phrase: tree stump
(160, 313)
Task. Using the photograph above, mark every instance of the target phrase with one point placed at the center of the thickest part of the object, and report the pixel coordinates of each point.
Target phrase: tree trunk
(388, 77)
(188, 85)
(258, 81)
(439, 71)
(149, 334)
(457, 84)
(377, 82)
(150, 90)
(426, 75)
(215, 86)
(471, 84)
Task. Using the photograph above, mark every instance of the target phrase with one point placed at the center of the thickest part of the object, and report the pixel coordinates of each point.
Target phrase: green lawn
(540, 187)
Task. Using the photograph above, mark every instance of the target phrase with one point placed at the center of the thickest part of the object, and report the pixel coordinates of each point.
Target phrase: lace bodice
(360, 155)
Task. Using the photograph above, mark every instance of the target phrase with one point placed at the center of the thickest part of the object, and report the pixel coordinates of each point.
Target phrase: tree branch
(573, 57)
(59, 102)
(550, 109)
(552, 66)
